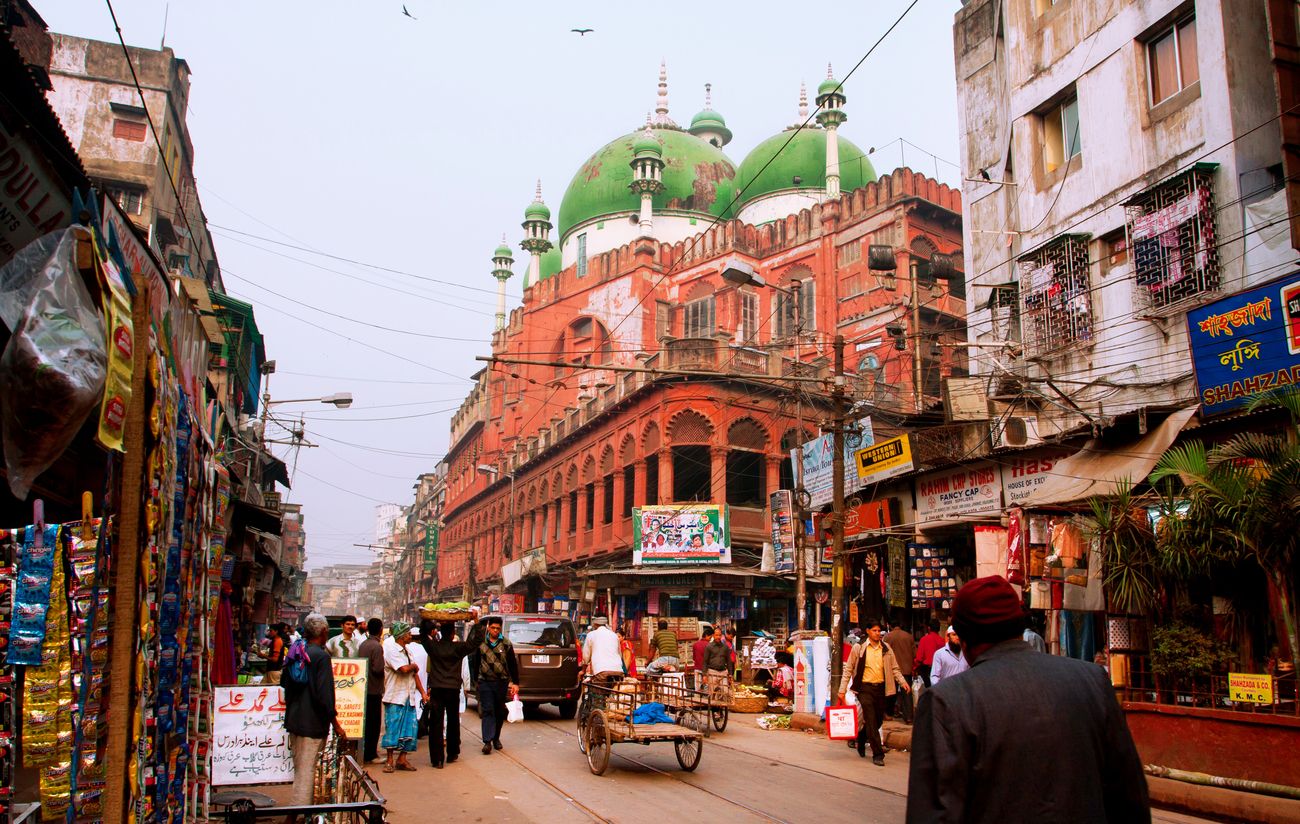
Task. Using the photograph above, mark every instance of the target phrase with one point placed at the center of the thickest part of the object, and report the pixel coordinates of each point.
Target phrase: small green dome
(697, 177)
(706, 119)
(647, 144)
(828, 86)
(537, 211)
(804, 158)
(503, 251)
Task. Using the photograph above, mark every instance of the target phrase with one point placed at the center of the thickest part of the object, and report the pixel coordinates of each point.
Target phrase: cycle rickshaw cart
(606, 712)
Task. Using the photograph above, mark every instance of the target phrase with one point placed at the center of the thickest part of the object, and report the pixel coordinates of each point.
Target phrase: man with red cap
(1020, 736)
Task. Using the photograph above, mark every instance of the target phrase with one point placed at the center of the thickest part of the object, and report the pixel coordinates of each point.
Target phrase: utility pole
(800, 539)
(839, 561)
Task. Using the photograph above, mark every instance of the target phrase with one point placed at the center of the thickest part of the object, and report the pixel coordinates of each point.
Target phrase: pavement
(745, 774)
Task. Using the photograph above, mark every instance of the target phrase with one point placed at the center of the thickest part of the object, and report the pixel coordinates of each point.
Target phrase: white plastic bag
(514, 711)
(850, 698)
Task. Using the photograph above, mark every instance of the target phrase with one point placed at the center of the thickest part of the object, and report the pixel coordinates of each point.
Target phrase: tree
(1243, 503)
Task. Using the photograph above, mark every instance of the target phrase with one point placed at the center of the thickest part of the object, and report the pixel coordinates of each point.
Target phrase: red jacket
(925, 650)
(697, 653)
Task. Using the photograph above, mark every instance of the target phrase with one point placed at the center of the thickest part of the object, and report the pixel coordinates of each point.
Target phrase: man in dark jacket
(372, 649)
(980, 740)
(309, 710)
(498, 678)
(445, 656)
(716, 666)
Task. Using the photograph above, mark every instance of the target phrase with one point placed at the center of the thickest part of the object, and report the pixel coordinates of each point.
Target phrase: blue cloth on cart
(652, 713)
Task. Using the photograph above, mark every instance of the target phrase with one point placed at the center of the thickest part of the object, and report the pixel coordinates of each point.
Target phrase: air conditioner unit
(1014, 430)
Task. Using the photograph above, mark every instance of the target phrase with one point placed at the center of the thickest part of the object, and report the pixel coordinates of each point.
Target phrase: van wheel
(567, 709)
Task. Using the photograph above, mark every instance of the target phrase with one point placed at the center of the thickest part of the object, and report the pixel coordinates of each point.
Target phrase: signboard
(1246, 344)
(1249, 688)
(1022, 475)
(350, 676)
(819, 462)
(685, 534)
(431, 533)
(887, 459)
(33, 201)
(896, 582)
(973, 489)
(873, 515)
(249, 742)
(782, 503)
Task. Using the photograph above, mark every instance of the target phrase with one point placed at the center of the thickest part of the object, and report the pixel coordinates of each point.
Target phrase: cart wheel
(688, 752)
(598, 743)
(719, 714)
(582, 734)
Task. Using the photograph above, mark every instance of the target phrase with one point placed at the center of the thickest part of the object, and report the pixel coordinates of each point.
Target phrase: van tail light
(579, 658)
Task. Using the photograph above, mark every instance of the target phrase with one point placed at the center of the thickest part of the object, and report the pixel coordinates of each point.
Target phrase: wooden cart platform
(605, 718)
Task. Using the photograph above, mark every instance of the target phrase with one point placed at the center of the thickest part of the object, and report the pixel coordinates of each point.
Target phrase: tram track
(544, 781)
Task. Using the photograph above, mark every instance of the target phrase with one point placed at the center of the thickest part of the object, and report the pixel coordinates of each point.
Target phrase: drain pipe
(1205, 780)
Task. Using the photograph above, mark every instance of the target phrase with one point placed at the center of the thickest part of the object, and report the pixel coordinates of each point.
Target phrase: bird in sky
(581, 32)
(408, 14)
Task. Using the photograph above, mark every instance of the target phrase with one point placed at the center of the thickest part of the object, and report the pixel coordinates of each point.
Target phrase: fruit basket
(451, 611)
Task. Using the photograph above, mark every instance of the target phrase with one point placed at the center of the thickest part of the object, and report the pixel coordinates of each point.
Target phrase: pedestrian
(421, 659)
(277, 644)
(782, 683)
(663, 649)
(697, 654)
(717, 666)
(949, 661)
(981, 740)
(1033, 639)
(730, 639)
(872, 673)
(403, 697)
(309, 711)
(904, 647)
(345, 644)
(601, 651)
(446, 657)
(929, 644)
(372, 649)
(628, 654)
(498, 679)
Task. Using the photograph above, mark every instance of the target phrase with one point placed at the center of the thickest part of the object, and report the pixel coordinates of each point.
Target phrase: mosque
(674, 342)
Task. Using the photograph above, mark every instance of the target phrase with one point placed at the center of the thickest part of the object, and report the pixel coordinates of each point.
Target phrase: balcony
(714, 355)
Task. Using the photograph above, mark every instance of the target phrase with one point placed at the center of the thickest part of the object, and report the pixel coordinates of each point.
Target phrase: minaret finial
(803, 102)
(708, 95)
(538, 196)
(661, 105)
(829, 74)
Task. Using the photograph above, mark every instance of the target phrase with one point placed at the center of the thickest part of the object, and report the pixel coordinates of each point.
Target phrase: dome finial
(830, 75)
(803, 103)
(708, 95)
(537, 198)
(661, 105)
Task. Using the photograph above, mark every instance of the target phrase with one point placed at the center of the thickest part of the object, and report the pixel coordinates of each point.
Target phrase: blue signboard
(1246, 344)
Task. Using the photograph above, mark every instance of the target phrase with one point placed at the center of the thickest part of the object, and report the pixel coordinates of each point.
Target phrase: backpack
(296, 662)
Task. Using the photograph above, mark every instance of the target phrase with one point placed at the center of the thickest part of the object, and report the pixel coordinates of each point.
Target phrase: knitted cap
(987, 609)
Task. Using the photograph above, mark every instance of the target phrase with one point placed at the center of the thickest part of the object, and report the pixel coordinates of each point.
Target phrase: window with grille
(582, 255)
(1056, 301)
(699, 318)
(850, 252)
(1172, 243)
(748, 317)
(785, 326)
(1171, 60)
(130, 201)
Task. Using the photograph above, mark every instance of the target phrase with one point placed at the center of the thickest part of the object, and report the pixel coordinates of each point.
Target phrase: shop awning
(274, 469)
(1099, 469)
(256, 517)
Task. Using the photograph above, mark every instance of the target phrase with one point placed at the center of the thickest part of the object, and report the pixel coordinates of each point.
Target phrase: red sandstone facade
(586, 445)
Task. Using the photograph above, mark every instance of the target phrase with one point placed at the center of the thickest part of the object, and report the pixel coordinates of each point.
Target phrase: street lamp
(740, 273)
(340, 400)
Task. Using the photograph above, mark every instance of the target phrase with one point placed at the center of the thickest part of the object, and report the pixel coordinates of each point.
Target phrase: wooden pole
(126, 554)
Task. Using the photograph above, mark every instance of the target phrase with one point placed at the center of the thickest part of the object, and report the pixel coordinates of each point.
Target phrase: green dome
(697, 177)
(646, 143)
(537, 211)
(503, 251)
(550, 263)
(805, 158)
(829, 85)
(707, 118)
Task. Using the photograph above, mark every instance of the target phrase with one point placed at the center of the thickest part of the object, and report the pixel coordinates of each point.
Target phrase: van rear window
(540, 632)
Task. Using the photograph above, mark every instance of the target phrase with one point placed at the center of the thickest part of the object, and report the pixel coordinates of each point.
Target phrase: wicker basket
(446, 615)
(748, 703)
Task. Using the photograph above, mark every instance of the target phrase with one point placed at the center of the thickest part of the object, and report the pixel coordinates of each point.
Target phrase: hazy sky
(409, 146)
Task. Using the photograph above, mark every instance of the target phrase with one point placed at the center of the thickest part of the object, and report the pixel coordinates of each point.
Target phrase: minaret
(537, 236)
(708, 125)
(661, 117)
(830, 97)
(647, 176)
(502, 260)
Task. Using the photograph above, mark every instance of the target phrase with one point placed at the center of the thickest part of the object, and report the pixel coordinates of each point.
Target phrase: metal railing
(1208, 692)
(344, 793)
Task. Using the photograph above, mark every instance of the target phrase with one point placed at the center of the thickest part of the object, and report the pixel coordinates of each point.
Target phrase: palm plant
(1243, 503)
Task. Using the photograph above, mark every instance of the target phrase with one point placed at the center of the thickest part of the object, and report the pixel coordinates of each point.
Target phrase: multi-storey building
(137, 151)
(635, 375)
(424, 532)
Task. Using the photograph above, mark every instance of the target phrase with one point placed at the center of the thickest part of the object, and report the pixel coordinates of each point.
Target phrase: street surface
(746, 774)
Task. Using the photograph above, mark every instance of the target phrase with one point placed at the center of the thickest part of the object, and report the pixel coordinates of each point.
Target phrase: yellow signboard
(884, 459)
(350, 675)
(1249, 688)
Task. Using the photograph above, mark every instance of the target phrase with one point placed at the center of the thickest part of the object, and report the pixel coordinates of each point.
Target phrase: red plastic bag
(842, 723)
